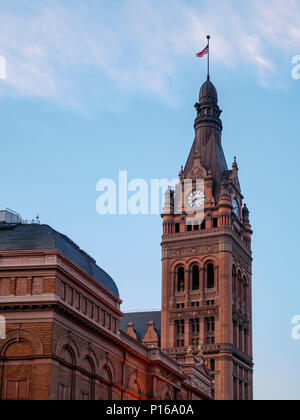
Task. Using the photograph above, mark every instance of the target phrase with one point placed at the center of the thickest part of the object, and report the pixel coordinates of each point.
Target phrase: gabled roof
(15, 237)
(140, 321)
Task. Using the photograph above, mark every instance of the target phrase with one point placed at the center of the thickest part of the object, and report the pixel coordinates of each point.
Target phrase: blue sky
(98, 86)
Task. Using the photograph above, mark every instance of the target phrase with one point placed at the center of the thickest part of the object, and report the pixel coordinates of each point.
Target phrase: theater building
(63, 339)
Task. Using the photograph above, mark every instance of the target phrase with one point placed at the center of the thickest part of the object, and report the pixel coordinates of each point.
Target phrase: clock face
(196, 199)
(236, 207)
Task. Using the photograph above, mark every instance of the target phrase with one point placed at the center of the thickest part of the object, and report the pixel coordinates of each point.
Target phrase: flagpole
(208, 76)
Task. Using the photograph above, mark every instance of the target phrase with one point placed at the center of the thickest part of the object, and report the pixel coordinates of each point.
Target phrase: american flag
(204, 52)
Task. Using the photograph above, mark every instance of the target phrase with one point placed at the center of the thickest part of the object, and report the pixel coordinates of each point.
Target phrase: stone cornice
(207, 237)
(22, 261)
(193, 312)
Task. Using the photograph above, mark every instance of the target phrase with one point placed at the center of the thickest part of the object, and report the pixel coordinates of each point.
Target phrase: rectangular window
(177, 228)
(210, 324)
(196, 227)
(246, 396)
(215, 223)
(235, 389)
(203, 225)
(210, 340)
(179, 327)
(17, 390)
(84, 396)
(63, 393)
(180, 343)
(189, 228)
(195, 324)
(210, 330)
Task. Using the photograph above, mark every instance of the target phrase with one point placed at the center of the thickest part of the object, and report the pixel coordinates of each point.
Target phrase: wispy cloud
(137, 44)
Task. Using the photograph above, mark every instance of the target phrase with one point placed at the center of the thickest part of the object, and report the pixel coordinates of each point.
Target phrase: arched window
(67, 355)
(106, 384)
(234, 280)
(210, 276)
(88, 365)
(135, 385)
(245, 288)
(240, 286)
(180, 279)
(196, 277)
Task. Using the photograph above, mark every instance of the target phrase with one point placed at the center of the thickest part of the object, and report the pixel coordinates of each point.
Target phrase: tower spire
(208, 131)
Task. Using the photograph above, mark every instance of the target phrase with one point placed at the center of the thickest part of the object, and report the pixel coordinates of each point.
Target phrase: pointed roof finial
(235, 165)
(181, 173)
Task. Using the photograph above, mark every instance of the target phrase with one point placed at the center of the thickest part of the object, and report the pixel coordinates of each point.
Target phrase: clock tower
(207, 260)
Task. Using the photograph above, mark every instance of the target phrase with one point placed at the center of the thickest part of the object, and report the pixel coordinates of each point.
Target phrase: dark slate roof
(140, 321)
(43, 237)
(208, 92)
(208, 139)
(211, 151)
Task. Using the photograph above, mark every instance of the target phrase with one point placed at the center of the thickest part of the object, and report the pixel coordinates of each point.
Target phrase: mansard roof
(17, 237)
